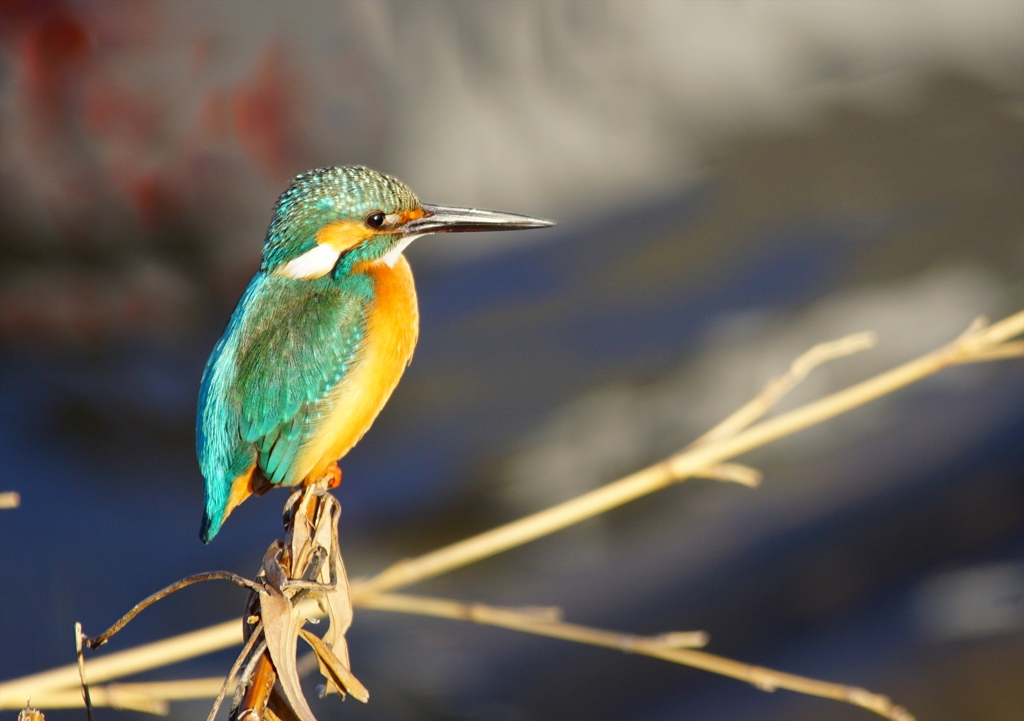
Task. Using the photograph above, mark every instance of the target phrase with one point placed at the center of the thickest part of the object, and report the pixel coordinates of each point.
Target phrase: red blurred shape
(109, 110)
(56, 48)
(151, 198)
(213, 116)
(263, 118)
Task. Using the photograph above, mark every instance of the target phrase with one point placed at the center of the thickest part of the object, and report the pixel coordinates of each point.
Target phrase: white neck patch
(391, 257)
(314, 263)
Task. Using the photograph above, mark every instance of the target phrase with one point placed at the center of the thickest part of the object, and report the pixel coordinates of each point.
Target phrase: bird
(321, 335)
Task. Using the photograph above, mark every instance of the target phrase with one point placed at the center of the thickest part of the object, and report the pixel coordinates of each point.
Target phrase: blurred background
(734, 182)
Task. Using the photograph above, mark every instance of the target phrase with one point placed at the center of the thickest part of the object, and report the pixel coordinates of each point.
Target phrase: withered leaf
(281, 625)
(278, 709)
(336, 673)
(304, 523)
(337, 603)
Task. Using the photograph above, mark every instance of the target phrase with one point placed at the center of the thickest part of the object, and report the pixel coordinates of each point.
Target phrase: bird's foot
(326, 481)
(332, 475)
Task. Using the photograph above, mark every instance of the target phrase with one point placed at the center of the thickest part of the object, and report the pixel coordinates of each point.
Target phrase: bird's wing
(287, 364)
(289, 346)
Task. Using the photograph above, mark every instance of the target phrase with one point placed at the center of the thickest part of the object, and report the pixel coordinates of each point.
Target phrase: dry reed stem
(10, 499)
(86, 698)
(539, 621)
(666, 647)
(123, 663)
(112, 696)
(732, 472)
(149, 697)
(979, 343)
(254, 701)
(777, 388)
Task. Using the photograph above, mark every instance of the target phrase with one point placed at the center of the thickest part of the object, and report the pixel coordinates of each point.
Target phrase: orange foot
(332, 475)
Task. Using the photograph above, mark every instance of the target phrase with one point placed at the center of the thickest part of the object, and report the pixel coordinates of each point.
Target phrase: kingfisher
(321, 335)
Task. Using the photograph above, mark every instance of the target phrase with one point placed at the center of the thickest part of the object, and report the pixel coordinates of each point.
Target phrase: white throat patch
(391, 257)
(314, 263)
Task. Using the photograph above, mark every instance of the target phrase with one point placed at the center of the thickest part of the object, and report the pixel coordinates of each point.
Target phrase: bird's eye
(375, 220)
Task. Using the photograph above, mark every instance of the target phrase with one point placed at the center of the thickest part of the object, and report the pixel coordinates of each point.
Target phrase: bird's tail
(218, 509)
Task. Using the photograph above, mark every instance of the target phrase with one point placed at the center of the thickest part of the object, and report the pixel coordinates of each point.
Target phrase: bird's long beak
(442, 219)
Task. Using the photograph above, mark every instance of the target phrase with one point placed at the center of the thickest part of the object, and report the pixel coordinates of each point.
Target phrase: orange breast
(392, 328)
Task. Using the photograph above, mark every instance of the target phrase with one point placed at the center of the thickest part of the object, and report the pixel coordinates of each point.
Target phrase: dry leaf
(337, 674)
(336, 603)
(281, 624)
(278, 709)
(300, 533)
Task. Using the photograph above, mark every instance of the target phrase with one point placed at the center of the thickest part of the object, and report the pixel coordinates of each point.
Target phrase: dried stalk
(150, 697)
(545, 621)
(245, 679)
(666, 647)
(113, 696)
(541, 621)
(79, 638)
(777, 388)
(732, 472)
(254, 701)
(973, 346)
(116, 665)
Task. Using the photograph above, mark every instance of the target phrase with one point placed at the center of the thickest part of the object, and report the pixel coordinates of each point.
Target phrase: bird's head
(335, 219)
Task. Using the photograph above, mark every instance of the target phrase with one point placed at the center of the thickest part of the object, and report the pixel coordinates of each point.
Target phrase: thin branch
(544, 621)
(665, 647)
(777, 388)
(255, 698)
(94, 643)
(732, 472)
(79, 637)
(133, 660)
(149, 697)
(246, 677)
(685, 464)
(119, 696)
(531, 620)
(1014, 349)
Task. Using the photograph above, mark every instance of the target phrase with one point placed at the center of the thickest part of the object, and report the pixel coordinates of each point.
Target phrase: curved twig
(94, 643)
